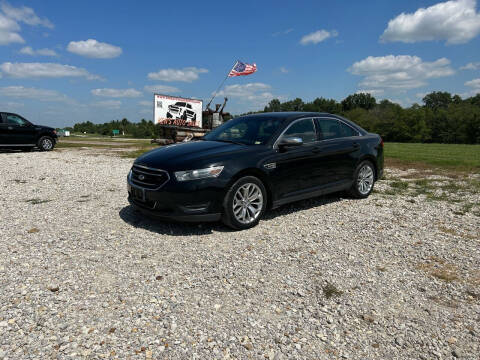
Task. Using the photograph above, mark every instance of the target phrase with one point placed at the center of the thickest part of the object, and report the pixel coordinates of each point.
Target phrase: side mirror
(290, 141)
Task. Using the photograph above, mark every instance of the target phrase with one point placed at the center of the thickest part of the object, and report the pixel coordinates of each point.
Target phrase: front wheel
(245, 203)
(45, 143)
(364, 180)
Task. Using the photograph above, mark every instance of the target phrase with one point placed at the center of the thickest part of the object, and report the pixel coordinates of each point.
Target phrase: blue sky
(63, 62)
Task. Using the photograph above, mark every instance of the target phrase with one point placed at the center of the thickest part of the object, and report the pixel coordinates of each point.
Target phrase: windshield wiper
(230, 141)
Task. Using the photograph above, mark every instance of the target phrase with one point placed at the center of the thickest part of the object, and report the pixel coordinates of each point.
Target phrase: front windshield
(246, 130)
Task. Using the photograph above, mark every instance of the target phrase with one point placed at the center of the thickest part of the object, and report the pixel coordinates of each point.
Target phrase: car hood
(190, 155)
(43, 127)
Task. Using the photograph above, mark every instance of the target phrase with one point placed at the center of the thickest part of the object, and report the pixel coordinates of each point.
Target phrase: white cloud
(284, 32)
(110, 104)
(27, 50)
(9, 31)
(117, 93)
(32, 93)
(256, 94)
(283, 70)
(401, 72)
(475, 83)
(187, 74)
(146, 111)
(247, 91)
(471, 66)
(25, 14)
(456, 22)
(11, 16)
(317, 36)
(162, 89)
(373, 92)
(44, 70)
(11, 105)
(91, 48)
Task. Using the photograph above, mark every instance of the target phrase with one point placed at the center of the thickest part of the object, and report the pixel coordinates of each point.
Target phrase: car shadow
(304, 205)
(138, 220)
(15, 151)
(164, 227)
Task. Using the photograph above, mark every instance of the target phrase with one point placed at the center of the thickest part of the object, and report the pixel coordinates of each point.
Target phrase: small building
(63, 132)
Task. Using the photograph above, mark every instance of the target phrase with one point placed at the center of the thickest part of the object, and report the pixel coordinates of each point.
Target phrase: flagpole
(216, 91)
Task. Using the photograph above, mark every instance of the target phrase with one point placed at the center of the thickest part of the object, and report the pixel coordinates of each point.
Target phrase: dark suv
(18, 133)
(253, 163)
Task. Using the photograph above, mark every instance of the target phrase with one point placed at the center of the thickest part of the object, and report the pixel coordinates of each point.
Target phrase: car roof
(294, 115)
(287, 115)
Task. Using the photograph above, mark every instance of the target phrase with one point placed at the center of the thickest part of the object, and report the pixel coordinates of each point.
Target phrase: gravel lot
(83, 275)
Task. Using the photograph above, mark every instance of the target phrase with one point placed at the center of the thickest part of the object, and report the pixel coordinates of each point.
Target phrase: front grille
(149, 178)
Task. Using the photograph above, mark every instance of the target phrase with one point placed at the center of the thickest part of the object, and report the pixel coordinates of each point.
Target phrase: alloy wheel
(365, 180)
(47, 144)
(247, 203)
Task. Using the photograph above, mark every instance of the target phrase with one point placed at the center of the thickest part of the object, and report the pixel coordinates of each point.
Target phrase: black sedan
(253, 163)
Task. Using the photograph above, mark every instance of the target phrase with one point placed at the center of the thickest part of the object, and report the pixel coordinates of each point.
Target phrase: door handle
(356, 145)
(10, 128)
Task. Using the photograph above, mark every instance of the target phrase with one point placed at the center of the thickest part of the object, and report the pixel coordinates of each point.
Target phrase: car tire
(364, 180)
(245, 203)
(45, 143)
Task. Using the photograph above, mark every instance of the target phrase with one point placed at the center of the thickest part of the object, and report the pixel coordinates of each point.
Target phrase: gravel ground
(83, 275)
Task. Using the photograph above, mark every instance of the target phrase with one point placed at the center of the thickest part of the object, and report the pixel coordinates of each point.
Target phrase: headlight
(210, 172)
(129, 176)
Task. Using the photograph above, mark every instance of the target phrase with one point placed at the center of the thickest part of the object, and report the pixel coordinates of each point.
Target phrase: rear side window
(334, 129)
(304, 129)
(329, 129)
(347, 131)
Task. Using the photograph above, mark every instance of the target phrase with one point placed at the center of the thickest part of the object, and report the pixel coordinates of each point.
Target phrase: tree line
(142, 129)
(443, 118)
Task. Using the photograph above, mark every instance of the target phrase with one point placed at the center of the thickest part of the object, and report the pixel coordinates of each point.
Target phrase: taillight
(381, 142)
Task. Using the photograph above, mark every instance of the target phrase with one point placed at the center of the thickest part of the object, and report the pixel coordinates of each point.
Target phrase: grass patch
(459, 157)
(37, 201)
(399, 185)
(136, 153)
(440, 269)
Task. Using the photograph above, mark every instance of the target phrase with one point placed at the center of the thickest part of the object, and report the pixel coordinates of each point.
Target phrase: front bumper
(174, 216)
(190, 201)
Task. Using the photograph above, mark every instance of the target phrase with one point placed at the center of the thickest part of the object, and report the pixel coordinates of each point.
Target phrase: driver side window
(15, 120)
(304, 129)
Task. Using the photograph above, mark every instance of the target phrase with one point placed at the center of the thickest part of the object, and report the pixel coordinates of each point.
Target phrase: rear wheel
(245, 203)
(364, 180)
(45, 143)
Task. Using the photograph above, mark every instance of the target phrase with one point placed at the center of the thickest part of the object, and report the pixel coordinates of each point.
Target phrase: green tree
(361, 100)
(437, 100)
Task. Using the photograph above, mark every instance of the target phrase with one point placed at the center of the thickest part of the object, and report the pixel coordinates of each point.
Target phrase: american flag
(241, 68)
